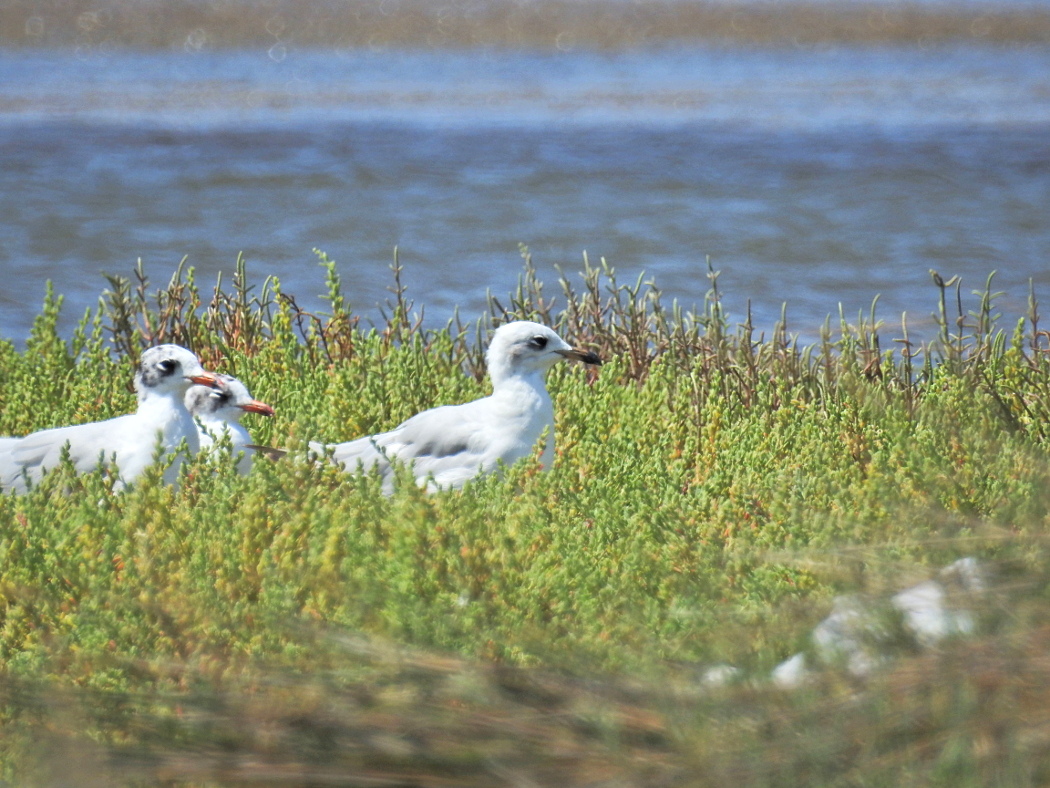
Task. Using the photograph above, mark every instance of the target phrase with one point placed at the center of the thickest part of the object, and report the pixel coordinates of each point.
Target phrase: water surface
(815, 176)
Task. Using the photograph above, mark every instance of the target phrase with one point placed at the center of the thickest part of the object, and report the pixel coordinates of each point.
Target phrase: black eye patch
(167, 366)
(538, 342)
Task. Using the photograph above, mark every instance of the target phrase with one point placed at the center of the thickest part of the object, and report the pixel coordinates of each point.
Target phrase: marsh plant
(714, 489)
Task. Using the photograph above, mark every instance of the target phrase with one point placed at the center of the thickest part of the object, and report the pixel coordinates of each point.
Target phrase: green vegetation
(713, 491)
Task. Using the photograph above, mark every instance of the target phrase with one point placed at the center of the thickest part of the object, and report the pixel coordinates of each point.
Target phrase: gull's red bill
(205, 379)
(257, 407)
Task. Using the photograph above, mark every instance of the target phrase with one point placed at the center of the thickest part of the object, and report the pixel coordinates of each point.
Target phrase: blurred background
(819, 153)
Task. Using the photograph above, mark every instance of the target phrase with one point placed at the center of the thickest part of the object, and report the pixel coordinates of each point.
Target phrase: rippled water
(811, 176)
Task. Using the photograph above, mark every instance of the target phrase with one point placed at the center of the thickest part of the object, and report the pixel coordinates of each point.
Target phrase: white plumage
(164, 374)
(218, 411)
(454, 443)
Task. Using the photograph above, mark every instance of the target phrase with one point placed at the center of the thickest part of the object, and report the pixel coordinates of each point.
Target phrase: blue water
(815, 177)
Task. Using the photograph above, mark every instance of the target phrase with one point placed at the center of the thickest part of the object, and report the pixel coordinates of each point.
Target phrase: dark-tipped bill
(205, 379)
(257, 407)
(586, 356)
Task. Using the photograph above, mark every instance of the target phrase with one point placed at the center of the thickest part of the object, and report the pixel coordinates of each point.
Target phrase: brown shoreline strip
(540, 24)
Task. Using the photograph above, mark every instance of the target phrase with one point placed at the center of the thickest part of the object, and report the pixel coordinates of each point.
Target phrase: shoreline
(545, 24)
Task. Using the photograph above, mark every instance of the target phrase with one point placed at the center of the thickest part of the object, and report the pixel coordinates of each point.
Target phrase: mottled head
(228, 401)
(524, 347)
(167, 369)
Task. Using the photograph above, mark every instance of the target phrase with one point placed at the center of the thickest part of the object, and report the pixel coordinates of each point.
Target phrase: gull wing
(451, 442)
(362, 452)
(40, 451)
(440, 433)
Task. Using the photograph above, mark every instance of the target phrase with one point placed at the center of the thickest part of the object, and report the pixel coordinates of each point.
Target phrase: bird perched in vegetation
(452, 444)
(164, 374)
(218, 411)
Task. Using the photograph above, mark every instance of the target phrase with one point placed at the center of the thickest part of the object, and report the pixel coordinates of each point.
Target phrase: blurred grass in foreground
(713, 490)
(564, 24)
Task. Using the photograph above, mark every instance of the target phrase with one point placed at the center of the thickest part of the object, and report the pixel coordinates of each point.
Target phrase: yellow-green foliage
(710, 492)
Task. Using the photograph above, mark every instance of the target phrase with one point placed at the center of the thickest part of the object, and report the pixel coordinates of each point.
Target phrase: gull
(164, 374)
(451, 444)
(218, 412)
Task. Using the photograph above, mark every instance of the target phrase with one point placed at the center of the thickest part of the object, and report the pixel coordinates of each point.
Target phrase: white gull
(164, 375)
(449, 445)
(218, 411)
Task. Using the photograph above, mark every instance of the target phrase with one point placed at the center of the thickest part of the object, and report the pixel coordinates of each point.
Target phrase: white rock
(719, 675)
(791, 673)
(926, 615)
(847, 635)
(969, 573)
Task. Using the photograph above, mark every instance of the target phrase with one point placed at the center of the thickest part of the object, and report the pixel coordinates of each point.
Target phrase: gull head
(170, 369)
(525, 348)
(228, 401)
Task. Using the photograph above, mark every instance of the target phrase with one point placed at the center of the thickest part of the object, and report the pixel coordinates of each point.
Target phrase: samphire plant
(714, 488)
